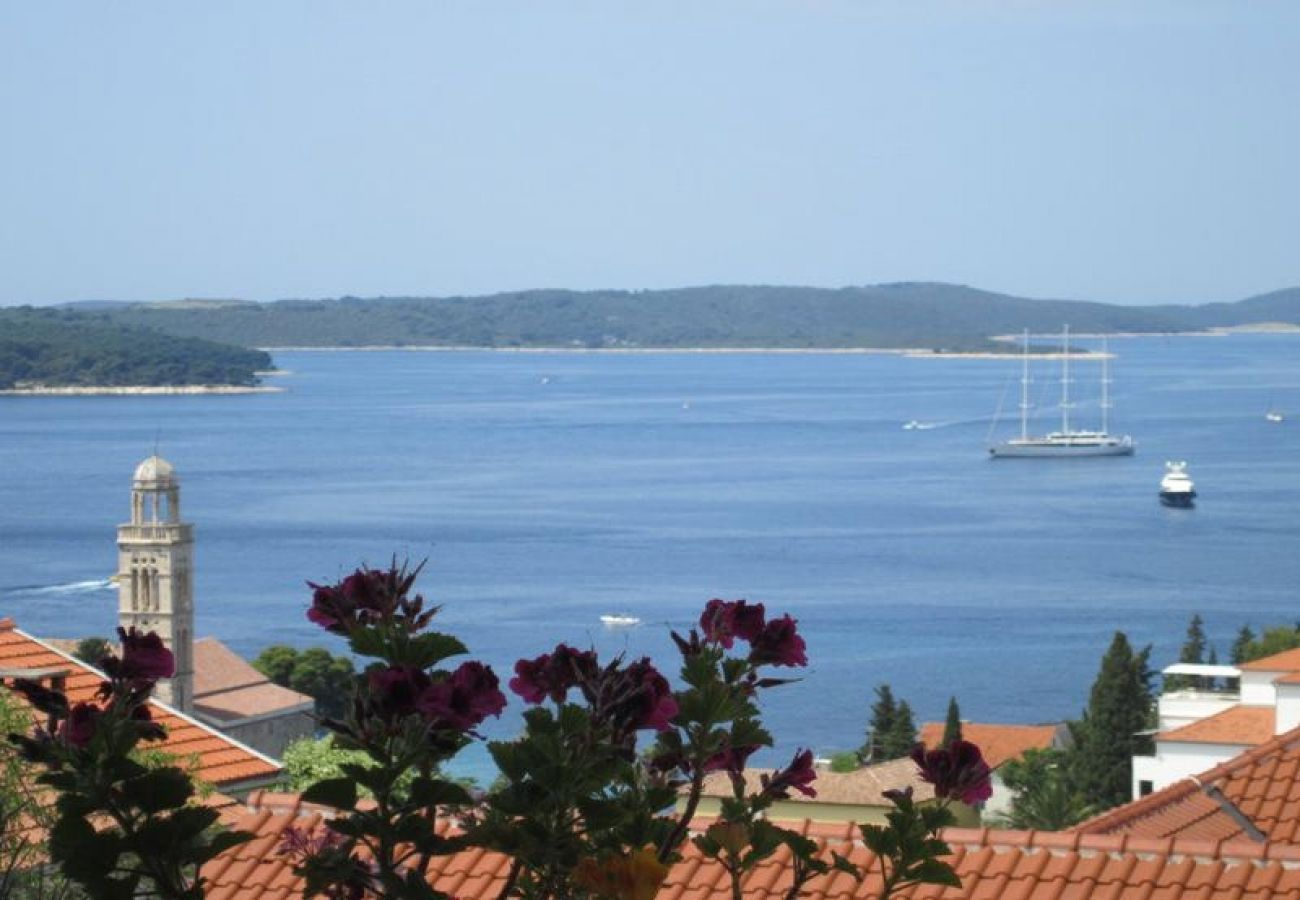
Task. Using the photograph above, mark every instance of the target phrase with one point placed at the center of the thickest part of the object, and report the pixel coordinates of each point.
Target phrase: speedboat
(1176, 488)
(619, 620)
(1273, 416)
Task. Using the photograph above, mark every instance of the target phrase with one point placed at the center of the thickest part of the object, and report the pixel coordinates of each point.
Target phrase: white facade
(155, 573)
(1176, 760)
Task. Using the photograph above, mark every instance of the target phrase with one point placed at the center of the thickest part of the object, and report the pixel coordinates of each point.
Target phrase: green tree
(1110, 734)
(276, 663)
(883, 713)
(845, 761)
(1241, 645)
(952, 724)
(92, 649)
(901, 737)
(1042, 796)
(315, 672)
(1193, 651)
(1277, 639)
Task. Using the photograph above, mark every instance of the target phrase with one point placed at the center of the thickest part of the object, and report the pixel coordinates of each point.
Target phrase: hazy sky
(1125, 151)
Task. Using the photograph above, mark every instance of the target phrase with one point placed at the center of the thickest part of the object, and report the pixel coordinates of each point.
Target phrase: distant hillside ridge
(41, 347)
(905, 315)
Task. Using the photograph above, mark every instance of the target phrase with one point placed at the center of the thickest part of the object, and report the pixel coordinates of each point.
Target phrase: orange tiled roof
(1254, 796)
(1245, 725)
(227, 687)
(223, 762)
(998, 743)
(1015, 865)
(1286, 661)
(862, 787)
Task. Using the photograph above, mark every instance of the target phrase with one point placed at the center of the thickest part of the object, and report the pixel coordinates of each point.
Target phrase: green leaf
(340, 793)
(436, 792)
(427, 650)
(160, 789)
(934, 871)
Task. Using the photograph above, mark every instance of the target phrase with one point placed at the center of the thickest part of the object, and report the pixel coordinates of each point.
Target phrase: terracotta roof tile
(998, 743)
(861, 787)
(1286, 661)
(1260, 785)
(1245, 725)
(222, 761)
(993, 865)
(226, 686)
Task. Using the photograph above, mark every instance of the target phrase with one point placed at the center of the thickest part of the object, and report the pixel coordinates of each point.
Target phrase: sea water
(547, 489)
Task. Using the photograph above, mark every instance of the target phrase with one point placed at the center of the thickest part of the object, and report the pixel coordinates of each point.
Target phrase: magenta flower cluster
(776, 642)
(369, 597)
(958, 771)
(632, 697)
(459, 702)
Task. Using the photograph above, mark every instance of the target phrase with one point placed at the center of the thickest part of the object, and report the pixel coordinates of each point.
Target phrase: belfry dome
(155, 472)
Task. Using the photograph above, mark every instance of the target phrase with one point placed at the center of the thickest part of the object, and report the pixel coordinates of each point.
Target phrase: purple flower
(81, 725)
(553, 674)
(465, 699)
(359, 599)
(957, 771)
(799, 775)
(651, 703)
(732, 760)
(144, 656)
(779, 644)
(395, 691)
(725, 620)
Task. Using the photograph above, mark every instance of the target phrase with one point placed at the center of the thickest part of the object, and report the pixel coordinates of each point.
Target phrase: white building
(1201, 729)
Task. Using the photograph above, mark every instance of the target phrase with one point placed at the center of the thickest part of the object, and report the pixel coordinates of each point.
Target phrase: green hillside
(937, 316)
(66, 348)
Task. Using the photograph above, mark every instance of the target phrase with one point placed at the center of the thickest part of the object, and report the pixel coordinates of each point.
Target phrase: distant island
(62, 351)
(914, 315)
(196, 346)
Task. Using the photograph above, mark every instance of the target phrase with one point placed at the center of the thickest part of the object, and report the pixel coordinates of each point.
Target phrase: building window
(1144, 788)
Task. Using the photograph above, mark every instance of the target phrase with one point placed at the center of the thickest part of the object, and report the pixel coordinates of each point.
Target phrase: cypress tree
(1108, 736)
(883, 713)
(1241, 646)
(952, 724)
(902, 735)
(1193, 651)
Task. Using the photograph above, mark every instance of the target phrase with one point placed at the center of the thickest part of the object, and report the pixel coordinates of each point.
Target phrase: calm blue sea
(547, 489)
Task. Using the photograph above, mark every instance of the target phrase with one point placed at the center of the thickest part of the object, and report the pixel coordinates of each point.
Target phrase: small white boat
(911, 426)
(619, 620)
(1176, 488)
(1273, 416)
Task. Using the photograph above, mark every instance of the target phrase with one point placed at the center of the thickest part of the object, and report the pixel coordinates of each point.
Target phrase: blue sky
(1120, 151)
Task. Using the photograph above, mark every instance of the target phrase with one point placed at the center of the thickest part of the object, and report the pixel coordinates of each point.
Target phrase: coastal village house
(228, 765)
(858, 796)
(1201, 728)
(1001, 744)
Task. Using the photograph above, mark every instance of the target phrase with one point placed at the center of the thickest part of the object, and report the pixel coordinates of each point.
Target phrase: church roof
(227, 687)
(222, 761)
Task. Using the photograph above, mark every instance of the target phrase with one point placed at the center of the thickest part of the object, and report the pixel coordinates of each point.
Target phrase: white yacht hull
(1059, 447)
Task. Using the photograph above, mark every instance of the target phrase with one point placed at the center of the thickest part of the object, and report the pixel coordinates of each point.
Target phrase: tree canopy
(316, 672)
(65, 348)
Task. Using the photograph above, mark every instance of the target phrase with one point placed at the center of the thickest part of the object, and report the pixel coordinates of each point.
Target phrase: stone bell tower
(155, 572)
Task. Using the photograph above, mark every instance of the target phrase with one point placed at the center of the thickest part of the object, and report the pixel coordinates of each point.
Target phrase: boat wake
(59, 590)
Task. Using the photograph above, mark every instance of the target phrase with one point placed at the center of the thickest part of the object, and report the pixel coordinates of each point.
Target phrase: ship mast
(1105, 386)
(1024, 388)
(1065, 380)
